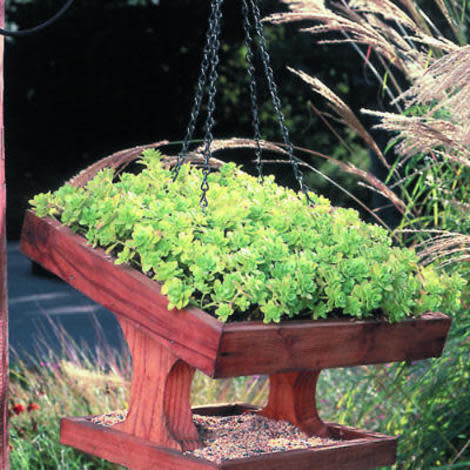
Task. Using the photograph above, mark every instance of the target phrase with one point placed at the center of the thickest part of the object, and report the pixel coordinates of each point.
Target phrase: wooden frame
(167, 347)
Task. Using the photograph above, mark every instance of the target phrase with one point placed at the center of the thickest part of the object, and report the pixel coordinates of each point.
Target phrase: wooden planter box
(167, 347)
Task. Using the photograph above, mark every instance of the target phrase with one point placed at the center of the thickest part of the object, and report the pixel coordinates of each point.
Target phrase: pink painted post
(3, 275)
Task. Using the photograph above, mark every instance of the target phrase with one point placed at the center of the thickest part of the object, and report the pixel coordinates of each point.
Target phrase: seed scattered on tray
(109, 419)
(247, 435)
(241, 436)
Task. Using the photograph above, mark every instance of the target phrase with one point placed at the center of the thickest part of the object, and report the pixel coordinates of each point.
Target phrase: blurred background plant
(426, 164)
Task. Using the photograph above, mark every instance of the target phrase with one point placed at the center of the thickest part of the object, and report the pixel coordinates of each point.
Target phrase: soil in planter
(241, 436)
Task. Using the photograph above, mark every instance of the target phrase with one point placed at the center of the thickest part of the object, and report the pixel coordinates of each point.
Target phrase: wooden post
(159, 407)
(292, 398)
(3, 275)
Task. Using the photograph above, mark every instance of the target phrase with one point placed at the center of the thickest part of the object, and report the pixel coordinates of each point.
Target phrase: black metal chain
(209, 74)
(275, 98)
(202, 80)
(253, 91)
(212, 90)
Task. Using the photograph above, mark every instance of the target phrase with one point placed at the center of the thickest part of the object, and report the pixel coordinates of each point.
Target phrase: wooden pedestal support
(159, 427)
(159, 407)
(292, 398)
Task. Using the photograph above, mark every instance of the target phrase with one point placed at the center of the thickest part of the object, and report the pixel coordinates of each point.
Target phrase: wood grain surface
(125, 449)
(159, 405)
(190, 334)
(254, 348)
(292, 398)
(3, 273)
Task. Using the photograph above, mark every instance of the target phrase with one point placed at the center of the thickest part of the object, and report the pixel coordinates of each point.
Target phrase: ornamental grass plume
(429, 181)
(437, 127)
(439, 105)
(400, 34)
(343, 112)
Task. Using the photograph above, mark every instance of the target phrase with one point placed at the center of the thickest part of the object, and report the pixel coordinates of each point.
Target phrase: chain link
(212, 90)
(202, 80)
(275, 98)
(209, 73)
(253, 91)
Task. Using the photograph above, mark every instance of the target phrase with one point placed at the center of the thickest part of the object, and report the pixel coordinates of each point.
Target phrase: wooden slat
(224, 409)
(190, 334)
(255, 348)
(124, 449)
(347, 433)
(351, 455)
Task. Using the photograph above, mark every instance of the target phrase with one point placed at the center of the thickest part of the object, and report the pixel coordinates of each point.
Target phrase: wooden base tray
(355, 449)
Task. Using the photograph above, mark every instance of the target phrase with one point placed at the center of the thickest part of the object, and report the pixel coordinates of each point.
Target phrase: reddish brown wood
(360, 450)
(358, 455)
(254, 348)
(190, 334)
(292, 398)
(3, 275)
(159, 407)
(124, 449)
(348, 433)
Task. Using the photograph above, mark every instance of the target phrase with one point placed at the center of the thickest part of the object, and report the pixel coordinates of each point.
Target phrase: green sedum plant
(257, 252)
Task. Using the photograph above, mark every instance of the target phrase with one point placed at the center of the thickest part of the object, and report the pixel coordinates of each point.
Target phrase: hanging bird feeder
(160, 429)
